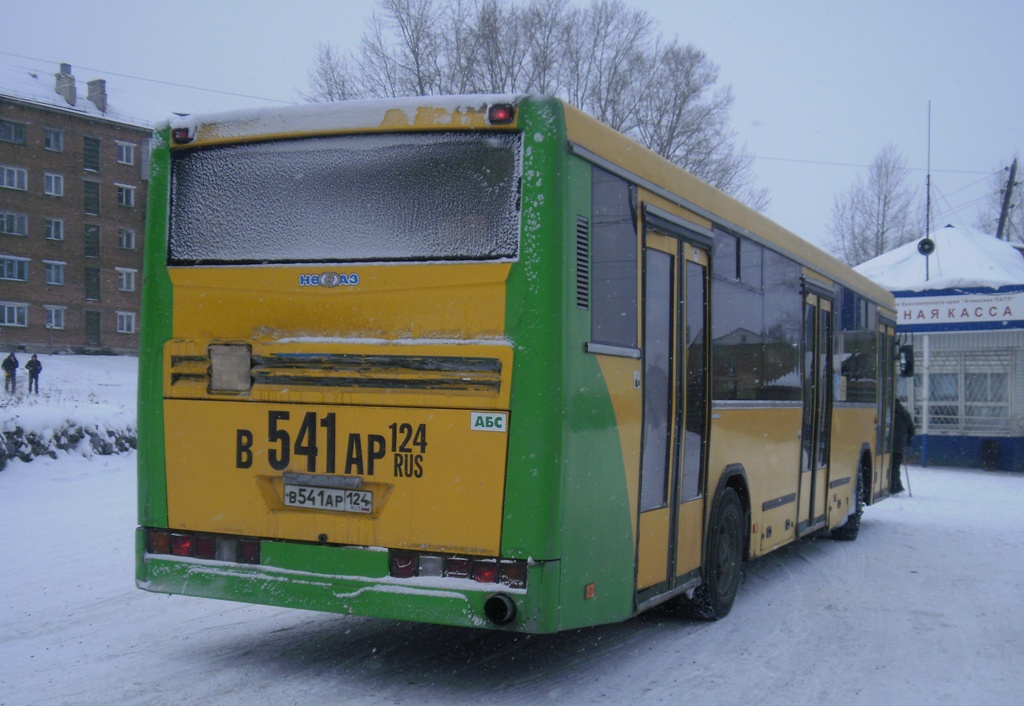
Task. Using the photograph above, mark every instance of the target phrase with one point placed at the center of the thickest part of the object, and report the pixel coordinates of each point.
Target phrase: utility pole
(1007, 200)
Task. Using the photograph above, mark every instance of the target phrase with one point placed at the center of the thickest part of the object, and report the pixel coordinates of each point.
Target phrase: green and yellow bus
(483, 361)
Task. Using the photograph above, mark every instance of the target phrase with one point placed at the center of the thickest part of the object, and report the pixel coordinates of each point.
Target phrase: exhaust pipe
(500, 609)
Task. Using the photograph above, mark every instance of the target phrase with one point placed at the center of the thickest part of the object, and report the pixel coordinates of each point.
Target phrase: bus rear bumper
(457, 602)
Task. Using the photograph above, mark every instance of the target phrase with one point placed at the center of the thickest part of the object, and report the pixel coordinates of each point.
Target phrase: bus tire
(848, 531)
(713, 599)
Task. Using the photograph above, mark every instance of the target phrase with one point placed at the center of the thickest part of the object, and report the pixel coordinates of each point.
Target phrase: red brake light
(501, 114)
(181, 545)
(485, 571)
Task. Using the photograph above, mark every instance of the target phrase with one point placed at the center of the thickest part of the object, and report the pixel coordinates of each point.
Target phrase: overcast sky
(820, 87)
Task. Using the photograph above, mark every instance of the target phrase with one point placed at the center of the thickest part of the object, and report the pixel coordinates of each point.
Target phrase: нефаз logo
(329, 279)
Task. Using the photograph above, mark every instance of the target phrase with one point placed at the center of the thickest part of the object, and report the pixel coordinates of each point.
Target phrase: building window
(126, 238)
(13, 314)
(125, 153)
(91, 154)
(92, 284)
(125, 195)
(54, 272)
(126, 279)
(92, 197)
(92, 240)
(14, 268)
(12, 132)
(55, 317)
(13, 223)
(53, 139)
(54, 229)
(13, 178)
(53, 184)
(126, 322)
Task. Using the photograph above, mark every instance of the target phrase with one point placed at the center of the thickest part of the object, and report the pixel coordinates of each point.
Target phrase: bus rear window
(360, 198)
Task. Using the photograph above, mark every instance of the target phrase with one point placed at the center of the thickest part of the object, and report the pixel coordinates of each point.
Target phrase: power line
(154, 80)
(862, 166)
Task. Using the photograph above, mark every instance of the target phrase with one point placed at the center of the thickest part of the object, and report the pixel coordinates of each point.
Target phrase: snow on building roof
(130, 99)
(38, 82)
(962, 258)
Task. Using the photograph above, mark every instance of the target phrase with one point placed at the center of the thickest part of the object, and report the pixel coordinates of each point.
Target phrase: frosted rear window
(379, 198)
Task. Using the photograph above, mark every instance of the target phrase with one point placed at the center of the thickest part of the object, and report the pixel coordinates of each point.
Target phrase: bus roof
(416, 113)
(470, 111)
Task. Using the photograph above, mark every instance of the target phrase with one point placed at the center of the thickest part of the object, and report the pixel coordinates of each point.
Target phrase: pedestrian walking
(34, 367)
(10, 366)
(902, 432)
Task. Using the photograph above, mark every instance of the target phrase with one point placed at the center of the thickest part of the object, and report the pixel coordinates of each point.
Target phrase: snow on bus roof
(346, 115)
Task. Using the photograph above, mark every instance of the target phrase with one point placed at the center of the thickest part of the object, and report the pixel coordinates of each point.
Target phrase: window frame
(16, 218)
(16, 307)
(54, 272)
(125, 152)
(92, 247)
(17, 175)
(125, 195)
(126, 279)
(91, 157)
(52, 226)
(15, 261)
(53, 313)
(17, 137)
(53, 139)
(91, 191)
(126, 238)
(53, 184)
(129, 318)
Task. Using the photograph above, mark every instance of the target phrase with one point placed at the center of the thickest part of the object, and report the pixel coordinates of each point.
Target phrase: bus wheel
(848, 531)
(713, 599)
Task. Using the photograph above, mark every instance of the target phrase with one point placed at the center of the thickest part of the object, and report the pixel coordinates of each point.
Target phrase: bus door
(885, 349)
(675, 330)
(817, 415)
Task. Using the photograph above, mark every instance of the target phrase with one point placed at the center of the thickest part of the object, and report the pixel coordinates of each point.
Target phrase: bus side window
(613, 262)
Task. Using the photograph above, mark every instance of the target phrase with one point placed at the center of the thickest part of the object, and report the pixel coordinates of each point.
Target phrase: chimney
(98, 93)
(65, 84)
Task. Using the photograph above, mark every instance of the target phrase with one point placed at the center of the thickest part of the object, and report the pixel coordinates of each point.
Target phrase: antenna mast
(928, 180)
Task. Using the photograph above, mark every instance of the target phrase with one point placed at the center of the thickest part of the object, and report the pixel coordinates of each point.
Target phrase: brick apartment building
(73, 177)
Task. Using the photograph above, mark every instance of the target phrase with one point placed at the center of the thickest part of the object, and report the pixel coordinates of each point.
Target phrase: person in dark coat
(903, 431)
(10, 366)
(34, 367)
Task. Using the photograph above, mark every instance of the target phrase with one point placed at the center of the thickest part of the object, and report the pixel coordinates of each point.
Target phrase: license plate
(337, 499)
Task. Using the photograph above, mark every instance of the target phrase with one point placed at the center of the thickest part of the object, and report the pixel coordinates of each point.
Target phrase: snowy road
(925, 608)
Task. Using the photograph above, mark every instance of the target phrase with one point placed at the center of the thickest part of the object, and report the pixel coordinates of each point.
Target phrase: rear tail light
(501, 114)
(181, 545)
(203, 546)
(509, 572)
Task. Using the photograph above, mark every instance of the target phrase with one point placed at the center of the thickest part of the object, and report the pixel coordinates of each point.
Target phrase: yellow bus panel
(228, 465)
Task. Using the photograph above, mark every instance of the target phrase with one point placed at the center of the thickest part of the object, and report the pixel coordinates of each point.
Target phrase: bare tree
(875, 215)
(606, 59)
(989, 212)
(329, 78)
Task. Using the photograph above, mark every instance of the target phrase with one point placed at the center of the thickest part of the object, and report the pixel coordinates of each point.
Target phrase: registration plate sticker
(336, 499)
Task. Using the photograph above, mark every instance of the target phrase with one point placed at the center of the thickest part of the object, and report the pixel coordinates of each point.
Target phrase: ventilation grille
(447, 374)
(582, 262)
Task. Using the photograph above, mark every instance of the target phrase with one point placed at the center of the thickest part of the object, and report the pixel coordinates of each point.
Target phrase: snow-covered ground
(924, 608)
